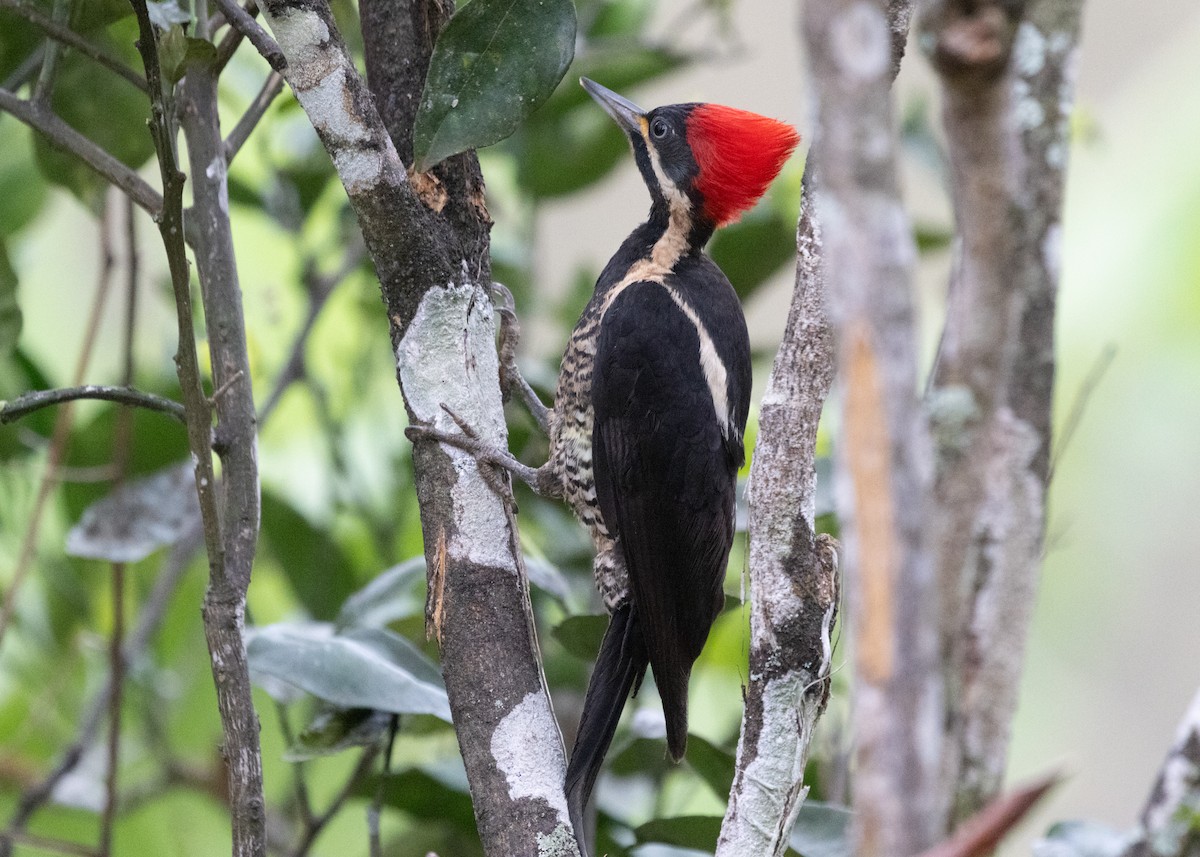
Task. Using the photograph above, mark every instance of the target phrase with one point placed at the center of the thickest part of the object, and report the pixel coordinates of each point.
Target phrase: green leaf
(494, 64)
(172, 49)
(138, 518)
(106, 110)
(712, 763)
(581, 635)
(431, 794)
(22, 190)
(754, 248)
(822, 830)
(361, 668)
(687, 831)
(333, 730)
(391, 595)
(10, 310)
(315, 565)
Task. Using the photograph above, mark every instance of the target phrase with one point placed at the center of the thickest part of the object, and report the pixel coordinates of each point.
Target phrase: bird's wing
(665, 480)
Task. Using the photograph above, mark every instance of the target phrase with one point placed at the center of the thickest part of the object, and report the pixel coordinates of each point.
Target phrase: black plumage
(646, 440)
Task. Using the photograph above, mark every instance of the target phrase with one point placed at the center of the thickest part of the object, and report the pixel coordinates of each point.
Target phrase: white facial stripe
(710, 362)
(673, 242)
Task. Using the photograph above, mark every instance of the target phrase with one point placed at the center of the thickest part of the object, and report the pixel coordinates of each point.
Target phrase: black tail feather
(620, 667)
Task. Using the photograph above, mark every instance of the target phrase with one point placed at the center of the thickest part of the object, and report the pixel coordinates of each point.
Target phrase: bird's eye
(658, 128)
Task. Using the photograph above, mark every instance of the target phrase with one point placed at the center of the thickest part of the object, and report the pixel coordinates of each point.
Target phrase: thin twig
(35, 401)
(376, 808)
(46, 843)
(319, 290)
(67, 36)
(980, 834)
(26, 71)
(65, 137)
(299, 783)
(254, 113)
(122, 448)
(44, 88)
(62, 431)
(1075, 417)
(241, 20)
(313, 828)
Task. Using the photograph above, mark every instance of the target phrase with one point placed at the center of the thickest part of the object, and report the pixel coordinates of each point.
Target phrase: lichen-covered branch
(793, 576)
(1167, 827)
(884, 469)
(434, 272)
(1005, 70)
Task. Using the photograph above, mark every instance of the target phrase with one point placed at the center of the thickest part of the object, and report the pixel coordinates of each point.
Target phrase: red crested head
(738, 154)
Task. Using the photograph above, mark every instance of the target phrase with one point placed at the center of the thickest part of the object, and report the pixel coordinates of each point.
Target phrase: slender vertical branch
(1004, 69)
(231, 548)
(884, 472)
(236, 442)
(1167, 827)
(44, 88)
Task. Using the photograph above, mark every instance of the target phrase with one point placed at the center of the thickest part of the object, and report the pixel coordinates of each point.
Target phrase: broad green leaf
(333, 730)
(581, 635)
(712, 763)
(172, 49)
(361, 668)
(822, 830)
(494, 64)
(106, 110)
(755, 247)
(138, 518)
(18, 39)
(391, 595)
(22, 190)
(10, 310)
(429, 794)
(687, 831)
(315, 565)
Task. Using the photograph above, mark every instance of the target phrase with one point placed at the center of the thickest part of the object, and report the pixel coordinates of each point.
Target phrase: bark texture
(793, 576)
(1006, 71)
(1167, 826)
(428, 237)
(885, 460)
(236, 442)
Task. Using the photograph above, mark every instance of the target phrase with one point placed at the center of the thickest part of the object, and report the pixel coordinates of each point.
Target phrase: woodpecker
(651, 404)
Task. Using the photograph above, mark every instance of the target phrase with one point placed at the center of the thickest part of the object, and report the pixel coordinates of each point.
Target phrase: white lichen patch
(560, 842)
(327, 102)
(1052, 251)
(531, 774)
(862, 43)
(302, 36)
(359, 169)
(1029, 50)
(771, 792)
(215, 172)
(448, 357)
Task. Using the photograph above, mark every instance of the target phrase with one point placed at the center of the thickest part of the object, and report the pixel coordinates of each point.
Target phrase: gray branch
(26, 404)
(1006, 96)
(793, 575)
(1167, 826)
(236, 441)
(434, 273)
(885, 476)
(67, 36)
(68, 139)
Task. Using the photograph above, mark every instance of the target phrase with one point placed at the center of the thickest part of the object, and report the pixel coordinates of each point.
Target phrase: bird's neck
(672, 231)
